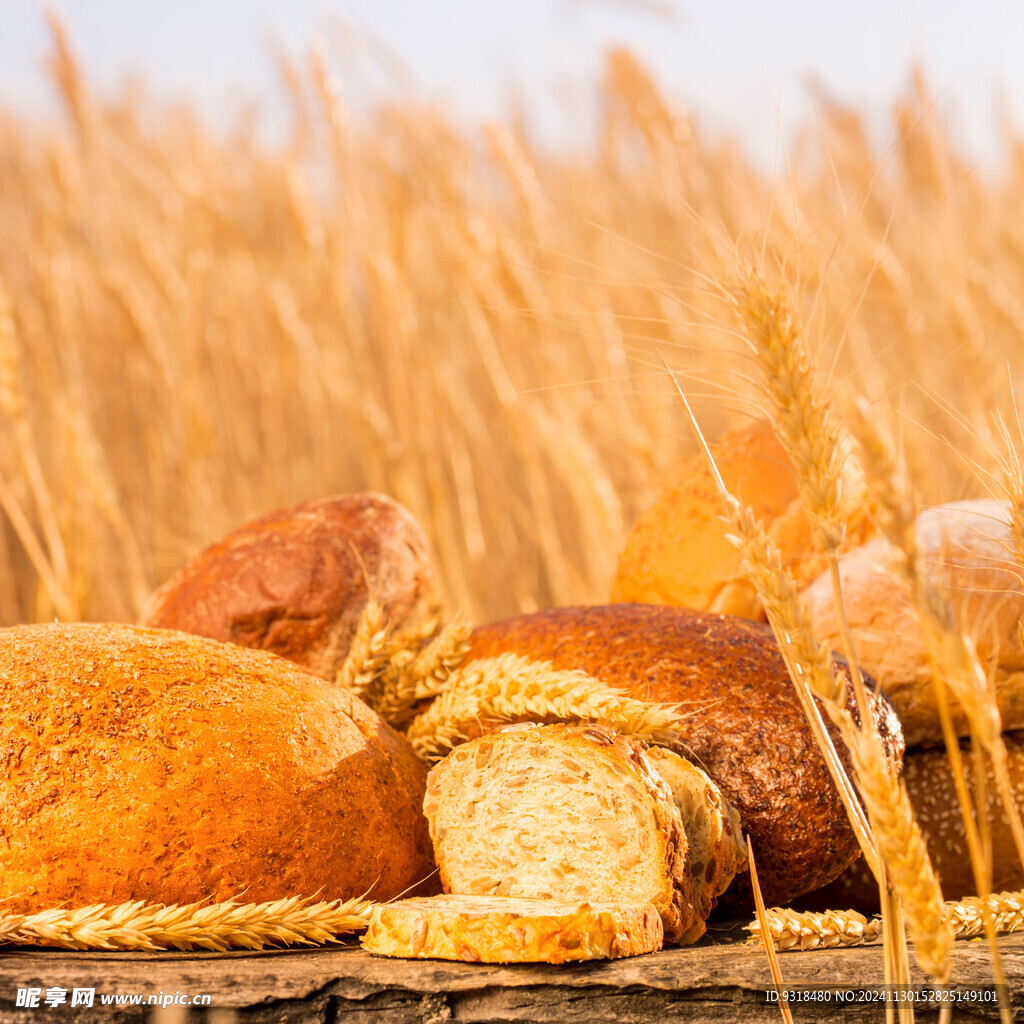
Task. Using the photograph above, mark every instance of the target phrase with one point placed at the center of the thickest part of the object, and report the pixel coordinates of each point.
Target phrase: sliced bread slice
(503, 930)
(714, 838)
(560, 812)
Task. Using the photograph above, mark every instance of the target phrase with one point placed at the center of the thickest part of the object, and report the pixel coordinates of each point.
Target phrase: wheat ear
(489, 691)
(811, 671)
(393, 670)
(792, 929)
(295, 921)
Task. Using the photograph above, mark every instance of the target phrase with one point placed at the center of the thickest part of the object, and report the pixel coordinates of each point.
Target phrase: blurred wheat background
(195, 329)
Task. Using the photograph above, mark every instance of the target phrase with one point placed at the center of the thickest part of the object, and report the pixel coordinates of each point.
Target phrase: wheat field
(196, 328)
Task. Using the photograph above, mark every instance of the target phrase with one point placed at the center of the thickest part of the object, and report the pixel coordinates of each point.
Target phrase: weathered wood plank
(711, 982)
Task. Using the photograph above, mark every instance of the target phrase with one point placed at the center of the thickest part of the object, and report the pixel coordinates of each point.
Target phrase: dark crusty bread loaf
(505, 930)
(295, 581)
(930, 787)
(560, 812)
(151, 765)
(746, 728)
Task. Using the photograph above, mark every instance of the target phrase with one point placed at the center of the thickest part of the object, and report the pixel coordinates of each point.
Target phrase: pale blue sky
(733, 63)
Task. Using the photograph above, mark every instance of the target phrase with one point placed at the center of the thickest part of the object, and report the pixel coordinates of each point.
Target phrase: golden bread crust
(295, 581)
(151, 765)
(502, 930)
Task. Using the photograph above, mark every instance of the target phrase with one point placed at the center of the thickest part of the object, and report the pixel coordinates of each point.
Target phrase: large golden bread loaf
(148, 764)
(744, 726)
(296, 581)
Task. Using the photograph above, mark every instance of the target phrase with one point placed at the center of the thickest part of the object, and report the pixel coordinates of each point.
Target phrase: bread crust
(929, 781)
(965, 551)
(585, 744)
(678, 552)
(716, 851)
(503, 930)
(295, 581)
(151, 765)
(745, 726)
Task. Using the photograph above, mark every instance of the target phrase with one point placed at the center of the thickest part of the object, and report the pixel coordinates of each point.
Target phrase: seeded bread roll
(147, 764)
(560, 812)
(931, 790)
(678, 553)
(295, 581)
(746, 728)
(966, 552)
(715, 848)
(502, 930)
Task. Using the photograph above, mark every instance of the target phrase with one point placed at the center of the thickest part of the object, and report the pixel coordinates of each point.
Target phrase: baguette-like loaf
(295, 581)
(150, 765)
(679, 553)
(930, 787)
(504, 930)
(966, 552)
(560, 812)
(745, 728)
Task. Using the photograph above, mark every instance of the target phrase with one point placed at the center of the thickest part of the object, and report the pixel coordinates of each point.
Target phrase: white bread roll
(505, 930)
(966, 552)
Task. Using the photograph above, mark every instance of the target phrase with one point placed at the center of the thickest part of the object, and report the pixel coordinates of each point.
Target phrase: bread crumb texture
(561, 812)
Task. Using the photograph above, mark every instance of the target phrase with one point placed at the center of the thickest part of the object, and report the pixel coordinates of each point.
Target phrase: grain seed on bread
(501, 929)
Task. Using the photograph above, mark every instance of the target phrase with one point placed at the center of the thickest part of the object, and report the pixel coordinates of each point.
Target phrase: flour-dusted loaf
(295, 581)
(932, 792)
(745, 728)
(716, 852)
(569, 812)
(966, 552)
(146, 764)
(504, 930)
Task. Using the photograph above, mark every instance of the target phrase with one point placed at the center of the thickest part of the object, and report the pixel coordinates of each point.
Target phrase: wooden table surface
(723, 981)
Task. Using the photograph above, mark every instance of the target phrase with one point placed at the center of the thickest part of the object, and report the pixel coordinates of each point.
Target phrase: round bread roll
(678, 553)
(151, 765)
(295, 582)
(965, 551)
(930, 787)
(745, 726)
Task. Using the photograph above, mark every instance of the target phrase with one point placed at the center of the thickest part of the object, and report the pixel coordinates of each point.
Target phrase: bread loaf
(746, 728)
(150, 765)
(930, 787)
(295, 582)
(965, 550)
(714, 839)
(560, 812)
(678, 553)
(501, 930)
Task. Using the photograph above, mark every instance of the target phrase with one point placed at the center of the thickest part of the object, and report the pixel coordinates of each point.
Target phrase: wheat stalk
(394, 670)
(507, 687)
(217, 926)
(802, 930)
(792, 929)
